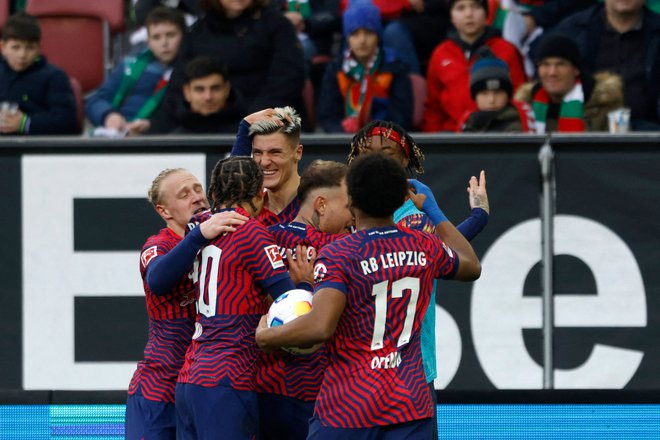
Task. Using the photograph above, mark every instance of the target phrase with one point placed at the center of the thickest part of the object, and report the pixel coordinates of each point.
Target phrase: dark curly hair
(363, 138)
(235, 180)
(377, 184)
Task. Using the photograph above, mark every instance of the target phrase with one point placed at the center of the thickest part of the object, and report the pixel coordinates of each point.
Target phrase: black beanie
(560, 46)
(490, 73)
(483, 3)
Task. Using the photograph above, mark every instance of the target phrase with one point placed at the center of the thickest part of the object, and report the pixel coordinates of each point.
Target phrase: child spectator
(368, 82)
(134, 90)
(448, 96)
(37, 96)
(211, 105)
(491, 89)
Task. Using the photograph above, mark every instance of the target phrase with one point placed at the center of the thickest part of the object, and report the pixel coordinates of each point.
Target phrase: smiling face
(557, 76)
(278, 157)
(182, 196)
(469, 19)
(388, 147)
(335, 216)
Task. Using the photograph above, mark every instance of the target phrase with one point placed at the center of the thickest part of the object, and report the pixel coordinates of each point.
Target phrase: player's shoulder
(199, 218)
(348, 246)
(164, 237)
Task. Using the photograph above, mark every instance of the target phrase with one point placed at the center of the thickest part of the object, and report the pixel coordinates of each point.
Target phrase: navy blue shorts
(419, 429)
(210, 413)
(149, 420)
(282, 417)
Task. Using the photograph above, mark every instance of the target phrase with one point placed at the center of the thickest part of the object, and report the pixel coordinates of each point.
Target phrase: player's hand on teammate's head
(477, 195)
(221, 223)
(267, 113)
(302, 269)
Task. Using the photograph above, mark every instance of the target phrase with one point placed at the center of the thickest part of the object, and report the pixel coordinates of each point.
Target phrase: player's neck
(363, 222)
(308, 216)
(178, 230)
(280, 198)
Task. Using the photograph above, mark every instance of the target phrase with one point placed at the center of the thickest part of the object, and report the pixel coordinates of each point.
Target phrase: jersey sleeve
(417, 222)
(154, 247)
(446, 261)
(264, 261)
(329, 272)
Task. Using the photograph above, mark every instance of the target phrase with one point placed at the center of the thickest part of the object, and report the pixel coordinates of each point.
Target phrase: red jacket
(448, 82)
(389, 9)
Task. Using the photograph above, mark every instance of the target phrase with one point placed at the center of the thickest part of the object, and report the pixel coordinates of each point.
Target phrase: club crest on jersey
(148, 255)
(319, 272)
(274, 256)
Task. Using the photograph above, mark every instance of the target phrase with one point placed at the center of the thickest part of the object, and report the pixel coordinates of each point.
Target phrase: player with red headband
(391, 139)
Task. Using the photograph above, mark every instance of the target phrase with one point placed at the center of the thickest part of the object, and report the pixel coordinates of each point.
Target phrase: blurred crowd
(200, 66)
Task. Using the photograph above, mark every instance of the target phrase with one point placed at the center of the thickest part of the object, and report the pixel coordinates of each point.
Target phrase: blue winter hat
(490, 73)
(362, 14)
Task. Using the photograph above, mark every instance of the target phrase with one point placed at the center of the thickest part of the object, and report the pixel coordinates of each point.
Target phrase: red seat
(310, 103)
(4, 12)
(76, 35)
(418, 83)
(111, 11)
(80, 102)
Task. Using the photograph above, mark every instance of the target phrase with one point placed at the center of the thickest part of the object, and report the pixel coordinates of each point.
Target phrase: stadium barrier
(72, 313)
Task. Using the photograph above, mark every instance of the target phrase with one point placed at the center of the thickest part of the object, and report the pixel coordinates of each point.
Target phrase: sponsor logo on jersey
(319, 272)
(274, 256)
(188, 299)
(148, 255)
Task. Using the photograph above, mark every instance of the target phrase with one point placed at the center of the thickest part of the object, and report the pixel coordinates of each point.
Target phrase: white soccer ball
(288, 307)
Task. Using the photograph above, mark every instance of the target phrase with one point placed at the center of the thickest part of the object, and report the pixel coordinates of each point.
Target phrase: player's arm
(165, 271)
(477, 198)
(313, 328)
(469, 268)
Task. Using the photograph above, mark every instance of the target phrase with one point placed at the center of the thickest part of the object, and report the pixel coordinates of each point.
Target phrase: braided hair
(235, 180)
(387, 130)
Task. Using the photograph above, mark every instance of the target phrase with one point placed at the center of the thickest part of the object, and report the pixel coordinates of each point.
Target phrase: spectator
(37, 95)
(142, 8)
(316, 23)
(257, 44)
(559, 98)
(133, 92)
(368, 82)
(210, 106)
(413, 28)
(491, 89)
(624, 38)
(448, 96)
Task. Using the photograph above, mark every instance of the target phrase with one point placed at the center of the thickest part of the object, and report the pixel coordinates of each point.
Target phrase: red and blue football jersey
(233, 272)
(269, 218)
(171, 326)
(375, 375)
(281, 373)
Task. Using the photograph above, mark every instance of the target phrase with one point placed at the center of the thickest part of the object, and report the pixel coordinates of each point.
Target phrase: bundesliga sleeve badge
(148, 255)
(274, 256)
